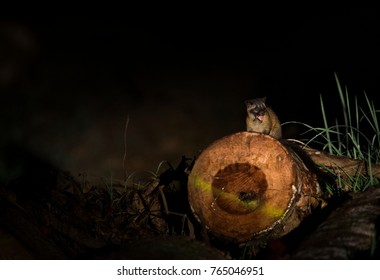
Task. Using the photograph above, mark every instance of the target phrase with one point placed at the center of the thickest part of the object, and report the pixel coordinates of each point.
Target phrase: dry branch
(55, 219)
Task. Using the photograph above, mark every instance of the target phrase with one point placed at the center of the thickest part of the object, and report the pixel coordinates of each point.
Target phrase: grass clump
(355, 135)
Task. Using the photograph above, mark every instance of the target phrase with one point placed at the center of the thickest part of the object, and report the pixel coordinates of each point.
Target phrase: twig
(125, 147)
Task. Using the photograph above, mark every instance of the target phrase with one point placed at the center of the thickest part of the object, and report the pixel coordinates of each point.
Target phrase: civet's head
(256, 108)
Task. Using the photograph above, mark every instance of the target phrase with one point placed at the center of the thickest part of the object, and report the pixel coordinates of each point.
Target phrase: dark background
(67, 84)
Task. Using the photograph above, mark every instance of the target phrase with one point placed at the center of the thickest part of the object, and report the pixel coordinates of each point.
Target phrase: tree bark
(249, 186)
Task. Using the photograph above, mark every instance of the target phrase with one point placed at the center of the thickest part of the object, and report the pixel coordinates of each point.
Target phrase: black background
(182, 80)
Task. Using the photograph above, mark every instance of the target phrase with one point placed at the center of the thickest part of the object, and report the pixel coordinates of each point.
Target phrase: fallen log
(341, 165)
(249, 186)
(351, 231)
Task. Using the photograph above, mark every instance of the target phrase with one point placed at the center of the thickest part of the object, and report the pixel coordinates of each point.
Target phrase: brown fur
(262, 119)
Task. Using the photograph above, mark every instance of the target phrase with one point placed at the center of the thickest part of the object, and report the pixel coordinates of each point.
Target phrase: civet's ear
(263, 99)
(248, 102)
